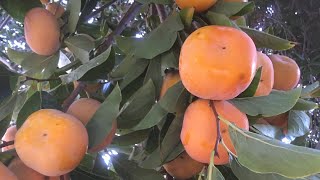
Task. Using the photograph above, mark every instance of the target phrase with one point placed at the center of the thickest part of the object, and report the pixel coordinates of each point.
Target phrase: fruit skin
(42, 31)
(199, 5)
(199, 130)
(24, 172)
(169, 80)
(280, 120)
(90, 88)
(183, 167)
(286, 72)
(6, 174)
(267, 75)
(84, 109)
(59, 141)
(56, 9)
(9, 136)
(217, 63)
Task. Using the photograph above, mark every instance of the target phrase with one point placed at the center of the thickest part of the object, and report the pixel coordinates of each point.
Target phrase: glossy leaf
(186, 16)
(18, 8)
(101, 122)
(40, 67)
(219, 19)
(131, 138)
(81, 70)
(135, 71)
(17, 56)
(80, 45)
(232, 8)
(213, 172)
(276, 103)
(74, 7)
(304, 105)
(137, 106)
(273, 156)
(154, 73)
(298, 123)
(7, 106)
(264, 40)
(158, 41)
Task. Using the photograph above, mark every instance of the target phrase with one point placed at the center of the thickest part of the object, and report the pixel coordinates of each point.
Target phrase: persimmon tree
(126, 56)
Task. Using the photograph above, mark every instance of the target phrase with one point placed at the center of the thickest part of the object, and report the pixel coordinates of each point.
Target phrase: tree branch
(73, 95)
(132, 11)
(96, 12)
(218, 128)
(161, 12)
(6, 143)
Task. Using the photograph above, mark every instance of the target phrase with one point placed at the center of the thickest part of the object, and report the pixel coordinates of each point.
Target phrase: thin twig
(4, 22)
(131, 13)
(218, 128)
(73, 95)
(96, 12)
(161, 12)
(6, 143)
(41, 80)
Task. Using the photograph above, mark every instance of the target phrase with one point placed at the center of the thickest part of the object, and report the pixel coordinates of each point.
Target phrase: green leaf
(304, 105)
(306, 92)
(155, 1)
(81, 70)
(87, 162)
(7, 106)
(74, 8)
(80, 45)
(18, 8)
(276, 103)
(232, 8)
(39, 100)
(273, 156)
(17, 56)
(137, 106)
(240, 21)
(130, 170)
(186, 16)
(131, 138)
(244, 173)
(268, 130)
(100, 124)
(315, 93)
(4, 123)
(220, 19)
(167, 104)
(213, 172)
(135, 71)
(40, 67)
(7, 156)
(251, 90)
(154, 73)
(122, 69)
(298, 123)
(158, 41)
(168, 60)
(169, 148)
(264, 40)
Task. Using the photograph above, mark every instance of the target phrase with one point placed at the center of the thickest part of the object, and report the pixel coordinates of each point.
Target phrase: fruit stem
(218, 128)
(130, 14)
(73, 95)
(6, 143)
(161, 12)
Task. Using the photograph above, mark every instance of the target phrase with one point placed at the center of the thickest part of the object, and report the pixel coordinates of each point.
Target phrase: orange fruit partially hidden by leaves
(217, 62)
(169, 80)
(84, 109)
(198, 5)
(9, 136)
(56, 9)
(6, 174)
(267, 75)
(24, 172)
(286, 72)
(280, 120)
(58, 140)
(42, 31)
(199, 130)
(183, 167)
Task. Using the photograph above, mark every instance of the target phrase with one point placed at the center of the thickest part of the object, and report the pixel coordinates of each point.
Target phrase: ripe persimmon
(6, 174)
(56, 9)
(198, 5)
(170, 79)
(280, 120)
(267, 75)
(199, 129)
(59, 141)
(217, 63)
(286, 72)
(9, 136)
(24, 172)
(183, 167)
(84, 109)
(42, 31)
